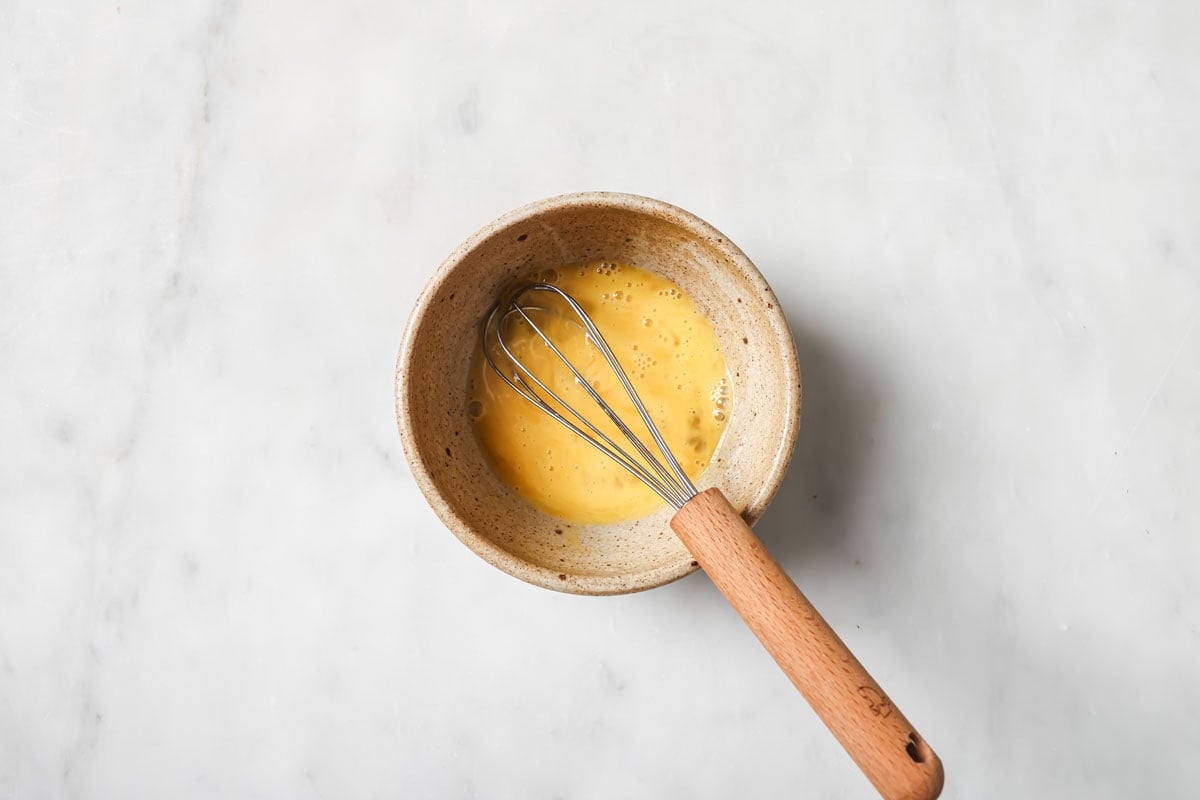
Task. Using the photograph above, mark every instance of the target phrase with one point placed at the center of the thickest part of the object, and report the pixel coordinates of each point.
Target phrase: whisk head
(662, 472)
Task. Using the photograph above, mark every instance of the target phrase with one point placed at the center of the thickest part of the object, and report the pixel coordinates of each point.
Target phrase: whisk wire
(518, 384)
(617, 453)
(598, 339)
(673, 484)
(662, 472)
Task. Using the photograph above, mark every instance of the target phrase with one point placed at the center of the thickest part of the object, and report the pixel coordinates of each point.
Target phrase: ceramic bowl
(435, 358)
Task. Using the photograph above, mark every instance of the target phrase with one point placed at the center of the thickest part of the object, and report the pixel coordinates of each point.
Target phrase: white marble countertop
(218, 579)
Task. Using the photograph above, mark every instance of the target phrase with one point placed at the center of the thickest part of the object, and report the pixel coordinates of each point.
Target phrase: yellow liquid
(666, 347)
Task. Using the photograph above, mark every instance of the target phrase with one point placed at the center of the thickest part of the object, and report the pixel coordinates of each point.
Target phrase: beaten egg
(666, 347)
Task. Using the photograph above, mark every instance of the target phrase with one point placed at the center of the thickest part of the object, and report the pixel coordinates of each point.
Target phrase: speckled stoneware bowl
(435, 358)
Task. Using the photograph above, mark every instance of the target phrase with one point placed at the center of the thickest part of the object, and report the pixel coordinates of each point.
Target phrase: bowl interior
(433, 373)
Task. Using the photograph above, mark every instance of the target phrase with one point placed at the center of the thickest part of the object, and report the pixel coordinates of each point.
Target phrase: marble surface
(217, 577)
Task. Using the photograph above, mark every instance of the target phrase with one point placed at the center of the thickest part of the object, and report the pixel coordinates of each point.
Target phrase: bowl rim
(484, 547)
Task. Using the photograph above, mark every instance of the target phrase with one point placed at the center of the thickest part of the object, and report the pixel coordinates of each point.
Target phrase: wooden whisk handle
(847, 699)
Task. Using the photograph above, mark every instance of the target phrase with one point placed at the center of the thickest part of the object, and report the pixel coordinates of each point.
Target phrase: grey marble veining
(217, 577)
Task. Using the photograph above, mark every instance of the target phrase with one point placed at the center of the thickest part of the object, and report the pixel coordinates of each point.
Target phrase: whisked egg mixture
(672, 357)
